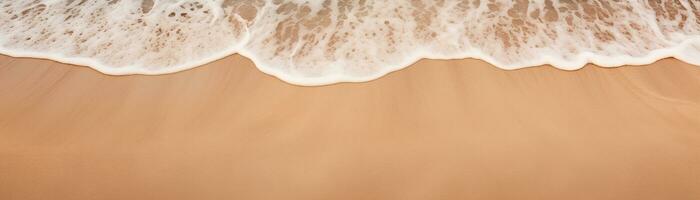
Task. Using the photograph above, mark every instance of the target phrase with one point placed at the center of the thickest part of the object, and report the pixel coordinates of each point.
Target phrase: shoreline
(584, 59)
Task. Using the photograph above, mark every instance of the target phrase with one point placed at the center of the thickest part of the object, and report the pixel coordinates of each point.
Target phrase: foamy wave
(314, 42)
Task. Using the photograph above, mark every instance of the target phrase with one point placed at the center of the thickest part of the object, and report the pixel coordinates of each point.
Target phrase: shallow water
(321, 42)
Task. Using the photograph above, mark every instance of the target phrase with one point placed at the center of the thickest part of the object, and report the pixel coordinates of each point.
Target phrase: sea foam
(315, 42)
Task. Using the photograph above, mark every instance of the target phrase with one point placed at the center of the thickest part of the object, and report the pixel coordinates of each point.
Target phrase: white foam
(316, 42)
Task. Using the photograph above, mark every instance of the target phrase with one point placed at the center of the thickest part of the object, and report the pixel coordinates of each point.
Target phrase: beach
(439, 129)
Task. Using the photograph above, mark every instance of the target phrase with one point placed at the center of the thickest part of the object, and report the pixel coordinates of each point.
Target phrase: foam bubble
(313, 42)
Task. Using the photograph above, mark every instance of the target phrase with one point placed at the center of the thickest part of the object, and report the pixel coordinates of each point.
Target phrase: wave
(316, 42)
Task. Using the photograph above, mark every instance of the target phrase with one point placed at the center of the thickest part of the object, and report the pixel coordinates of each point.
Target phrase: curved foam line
(584, 58)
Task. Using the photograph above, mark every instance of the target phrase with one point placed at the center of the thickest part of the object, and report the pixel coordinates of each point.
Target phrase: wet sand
(437, 130)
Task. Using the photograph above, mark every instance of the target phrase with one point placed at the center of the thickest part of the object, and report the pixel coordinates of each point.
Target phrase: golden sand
(456, 129)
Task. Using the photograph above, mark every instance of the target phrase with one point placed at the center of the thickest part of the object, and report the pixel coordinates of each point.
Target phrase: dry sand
(437, 130)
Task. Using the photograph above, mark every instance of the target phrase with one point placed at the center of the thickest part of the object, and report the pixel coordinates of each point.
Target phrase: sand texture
(458, 129)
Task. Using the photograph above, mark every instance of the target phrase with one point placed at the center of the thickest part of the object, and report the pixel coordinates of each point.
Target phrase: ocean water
(315, 42)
